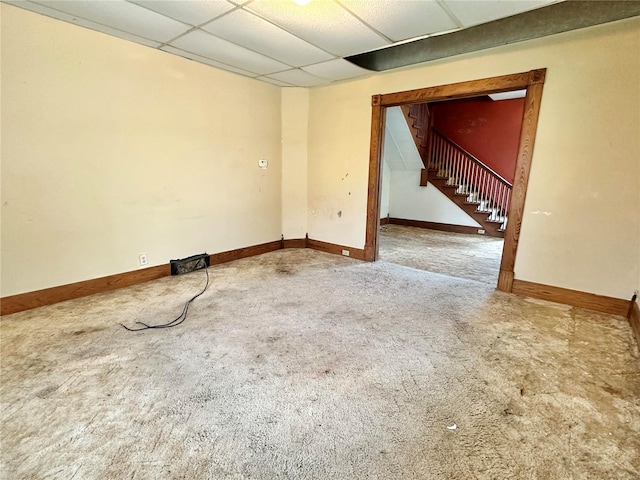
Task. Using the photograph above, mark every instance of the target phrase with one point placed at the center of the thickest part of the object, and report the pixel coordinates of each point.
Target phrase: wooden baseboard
(505, 281)
(245, 252)
(49, 296)
(443, 227)
(356, 253)
(295, 243)
(634, 321)
(384, 221)
(575, 298)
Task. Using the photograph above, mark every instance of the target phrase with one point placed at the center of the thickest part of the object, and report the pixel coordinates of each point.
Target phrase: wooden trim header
(473, 88)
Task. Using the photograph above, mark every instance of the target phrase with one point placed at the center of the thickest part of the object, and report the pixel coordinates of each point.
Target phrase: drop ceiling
(278, 41)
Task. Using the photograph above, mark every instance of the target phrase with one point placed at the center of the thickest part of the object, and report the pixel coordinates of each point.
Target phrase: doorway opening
(448, 168)
(513, 200)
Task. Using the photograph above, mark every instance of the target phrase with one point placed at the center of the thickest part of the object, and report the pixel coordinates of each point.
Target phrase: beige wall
(111, 149)
(339, 131)
(581, 227)
(295, 126)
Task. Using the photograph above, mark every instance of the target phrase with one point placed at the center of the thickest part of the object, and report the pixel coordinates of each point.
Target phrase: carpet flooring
(474, 257)
(302, 365)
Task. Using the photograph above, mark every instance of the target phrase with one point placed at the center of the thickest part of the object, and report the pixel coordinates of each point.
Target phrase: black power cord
(181, 318)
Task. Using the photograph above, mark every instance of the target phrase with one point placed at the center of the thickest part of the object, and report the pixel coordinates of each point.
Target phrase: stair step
(472, 202)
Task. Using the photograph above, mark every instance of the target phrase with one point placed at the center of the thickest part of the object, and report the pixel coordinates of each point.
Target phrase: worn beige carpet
(302, 365)
(475, 257)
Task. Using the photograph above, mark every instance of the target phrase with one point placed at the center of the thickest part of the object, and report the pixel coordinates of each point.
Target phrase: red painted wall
(489, 130)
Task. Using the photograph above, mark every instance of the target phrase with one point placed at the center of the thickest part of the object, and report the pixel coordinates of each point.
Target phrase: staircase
(479, 191)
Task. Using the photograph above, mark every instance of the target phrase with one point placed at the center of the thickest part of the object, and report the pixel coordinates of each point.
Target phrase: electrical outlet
(480, 231)
(345, 253)
(143, 259)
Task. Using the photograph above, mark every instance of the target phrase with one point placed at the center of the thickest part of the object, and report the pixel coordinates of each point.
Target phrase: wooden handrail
(471, 157)
(472, 178)
(481, 185)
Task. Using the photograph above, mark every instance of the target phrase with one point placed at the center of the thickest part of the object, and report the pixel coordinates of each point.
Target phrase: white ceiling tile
(298, 78)
(337, 69)
(123, 16)
(402, 19)
(275, 82)
(322, 23)
(474, 12)
(207, 61)
(44, 10)
(246, 29)
(116, 33)
(193, 12)
(206, 45)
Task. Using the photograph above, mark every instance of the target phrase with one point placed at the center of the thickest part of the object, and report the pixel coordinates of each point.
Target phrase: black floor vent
(189, 264)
